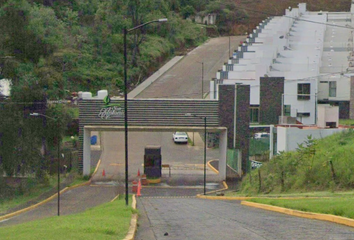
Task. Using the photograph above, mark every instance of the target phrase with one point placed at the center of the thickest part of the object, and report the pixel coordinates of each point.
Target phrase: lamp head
(163, 20)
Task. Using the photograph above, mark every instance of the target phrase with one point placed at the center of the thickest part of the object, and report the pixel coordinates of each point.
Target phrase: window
(332, 89)
(287, 110)
(254, 114)
(303, 91)
(303, 114)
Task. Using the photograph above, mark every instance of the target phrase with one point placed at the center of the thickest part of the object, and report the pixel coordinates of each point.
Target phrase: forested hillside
(50, 48)
(72, 45)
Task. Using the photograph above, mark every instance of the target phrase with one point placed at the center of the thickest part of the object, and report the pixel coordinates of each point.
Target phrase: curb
(212, 168)
(297, 213)
(138, 89)
(10, 215)
(133, 223)
(214, 197)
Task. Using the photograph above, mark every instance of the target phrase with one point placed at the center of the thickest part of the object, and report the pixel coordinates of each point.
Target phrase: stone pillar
(242, 122)
(271, 90)
(234, 103)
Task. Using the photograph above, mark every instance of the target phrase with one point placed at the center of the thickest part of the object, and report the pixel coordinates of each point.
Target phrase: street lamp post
(58, 146)
(205, 139)
(125, 32)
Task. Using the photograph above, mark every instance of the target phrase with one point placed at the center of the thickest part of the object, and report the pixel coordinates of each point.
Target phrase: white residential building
(312, 51)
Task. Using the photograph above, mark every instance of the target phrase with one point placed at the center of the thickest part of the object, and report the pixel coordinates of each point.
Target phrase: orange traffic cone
(138, 173)
(139, 188)
(103, 173)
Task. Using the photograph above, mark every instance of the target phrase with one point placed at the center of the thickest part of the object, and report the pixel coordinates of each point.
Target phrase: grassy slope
(328, 165)
(108, 221)
(305, 174)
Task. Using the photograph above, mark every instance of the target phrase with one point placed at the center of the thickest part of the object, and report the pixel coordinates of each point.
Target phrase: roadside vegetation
(317, 177)
(107, 221)
(316, 165)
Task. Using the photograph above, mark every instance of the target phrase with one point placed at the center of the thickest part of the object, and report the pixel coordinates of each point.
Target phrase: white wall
(288, 138)
(298, 106)
(5, 86)
(327, 113)
(343, 87)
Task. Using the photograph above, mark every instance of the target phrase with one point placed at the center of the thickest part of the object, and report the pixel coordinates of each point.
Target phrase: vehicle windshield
(180, 133)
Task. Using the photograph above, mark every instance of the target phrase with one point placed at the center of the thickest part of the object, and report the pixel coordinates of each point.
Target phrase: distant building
(305, 57)
(5, 88)
(209, 19)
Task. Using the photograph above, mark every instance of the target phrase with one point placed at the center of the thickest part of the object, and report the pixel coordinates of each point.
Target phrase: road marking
(5, 220)
(168, 197)
(116, 164)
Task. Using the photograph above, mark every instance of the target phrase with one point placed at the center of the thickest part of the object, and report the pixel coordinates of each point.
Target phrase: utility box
(152, 161)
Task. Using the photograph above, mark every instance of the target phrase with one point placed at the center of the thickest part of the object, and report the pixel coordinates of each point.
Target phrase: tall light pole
(205, 139)
(58, 146)
(202, 78)
(229, 45)
(125, 32)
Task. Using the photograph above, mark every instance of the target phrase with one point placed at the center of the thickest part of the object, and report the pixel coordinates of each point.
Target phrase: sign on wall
(110, 110)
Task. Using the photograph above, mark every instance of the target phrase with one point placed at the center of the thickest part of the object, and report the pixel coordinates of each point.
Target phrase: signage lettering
(107, 112)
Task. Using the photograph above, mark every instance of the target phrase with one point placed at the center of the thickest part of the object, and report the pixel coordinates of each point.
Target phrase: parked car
(261, 135)
(180, 137)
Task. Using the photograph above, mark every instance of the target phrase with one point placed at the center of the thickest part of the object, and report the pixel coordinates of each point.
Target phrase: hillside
(325, 164)
(258, 10)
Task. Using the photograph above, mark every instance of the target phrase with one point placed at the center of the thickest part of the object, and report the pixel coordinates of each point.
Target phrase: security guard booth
(152, 161)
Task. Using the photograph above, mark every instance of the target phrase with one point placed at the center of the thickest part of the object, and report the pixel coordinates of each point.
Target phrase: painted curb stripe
(211, 167)
(133, 223)
(10, 215)
(317, 216)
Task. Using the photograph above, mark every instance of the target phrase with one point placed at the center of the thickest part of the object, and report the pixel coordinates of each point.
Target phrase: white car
(261, 135)
(180, 137)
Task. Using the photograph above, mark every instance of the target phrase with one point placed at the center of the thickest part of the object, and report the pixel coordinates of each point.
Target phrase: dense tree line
(50, 48)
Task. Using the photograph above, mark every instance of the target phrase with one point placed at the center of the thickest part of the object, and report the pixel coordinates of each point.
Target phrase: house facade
(311, 51)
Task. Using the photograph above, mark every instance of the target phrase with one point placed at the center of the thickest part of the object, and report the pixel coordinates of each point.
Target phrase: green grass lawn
(107, 221)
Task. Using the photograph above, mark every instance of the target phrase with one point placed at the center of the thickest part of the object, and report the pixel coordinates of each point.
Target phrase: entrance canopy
(149, 115)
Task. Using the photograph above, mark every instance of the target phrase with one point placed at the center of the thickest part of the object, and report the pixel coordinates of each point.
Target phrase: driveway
(185, 218)
(184, 159)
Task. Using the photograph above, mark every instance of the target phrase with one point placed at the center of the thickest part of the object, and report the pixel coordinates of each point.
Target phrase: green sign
(109, 110)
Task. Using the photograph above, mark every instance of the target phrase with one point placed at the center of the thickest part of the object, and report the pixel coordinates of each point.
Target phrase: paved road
(72, 201)
(193, 218)
(184, 80)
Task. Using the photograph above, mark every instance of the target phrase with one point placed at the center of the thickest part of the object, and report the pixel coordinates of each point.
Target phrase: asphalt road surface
(72, 201)
(182, 218)
(184, 80)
